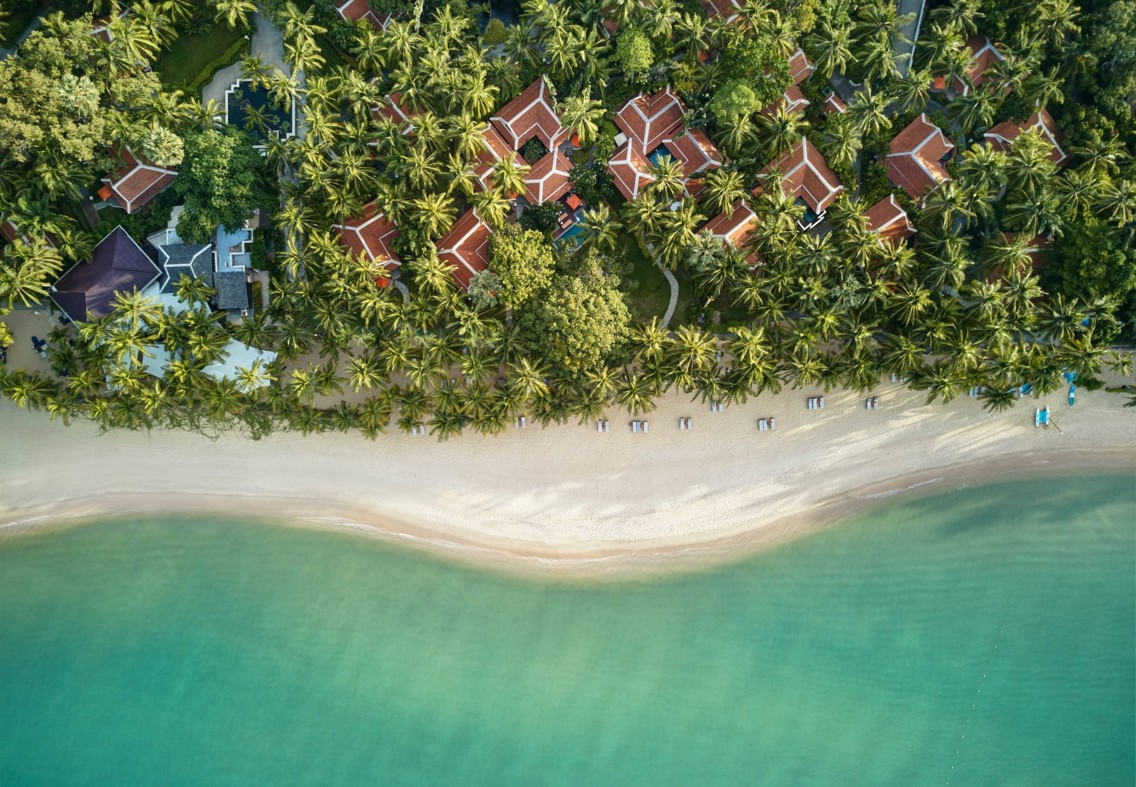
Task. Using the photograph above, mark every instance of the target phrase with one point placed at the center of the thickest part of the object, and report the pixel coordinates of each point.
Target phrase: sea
(977, 635)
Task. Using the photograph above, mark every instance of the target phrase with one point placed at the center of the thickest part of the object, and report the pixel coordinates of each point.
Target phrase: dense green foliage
(961, 307)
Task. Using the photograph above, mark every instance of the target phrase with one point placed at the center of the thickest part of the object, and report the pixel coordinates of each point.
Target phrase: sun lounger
(607, 425)
(521, 422)
(645, 426)
(635, 426)
(771, 424)
(599, 425)
(820, 402)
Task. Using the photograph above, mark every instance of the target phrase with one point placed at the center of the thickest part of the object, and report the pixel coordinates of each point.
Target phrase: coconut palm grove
(441, 216)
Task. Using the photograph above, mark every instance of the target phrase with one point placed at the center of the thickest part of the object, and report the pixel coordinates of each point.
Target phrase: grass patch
(644, 283)
(180, 65)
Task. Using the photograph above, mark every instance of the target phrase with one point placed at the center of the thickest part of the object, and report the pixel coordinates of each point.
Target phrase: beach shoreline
(566, 499)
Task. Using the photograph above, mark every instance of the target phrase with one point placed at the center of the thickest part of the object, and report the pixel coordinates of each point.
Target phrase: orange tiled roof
(733, 227)
(370, 236)
(723, 9)
(793, 99)
(694, 151)
(1002, 135)
(494, 149)
(800, 67)
(136, 181)
(914, 161)
(983, 54)
(889, 219)
(392, 108)
(354, 10)
(807, 176)
(531, 114)
(549, 179)
(466, 247)
(648, 120)
(833, 105)
(630, 170)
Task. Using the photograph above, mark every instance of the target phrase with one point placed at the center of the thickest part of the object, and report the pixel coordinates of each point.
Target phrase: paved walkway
(671, 280)
(267, 41)
(911, 31)
(27, 32)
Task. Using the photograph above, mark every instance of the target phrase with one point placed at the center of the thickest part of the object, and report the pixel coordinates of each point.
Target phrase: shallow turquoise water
(981, 637)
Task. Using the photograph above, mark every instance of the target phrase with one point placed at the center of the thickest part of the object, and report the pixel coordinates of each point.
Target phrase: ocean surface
(981, 636)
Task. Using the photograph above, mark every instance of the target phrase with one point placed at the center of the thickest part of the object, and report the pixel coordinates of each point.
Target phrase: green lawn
(645, 284)
(179, 65)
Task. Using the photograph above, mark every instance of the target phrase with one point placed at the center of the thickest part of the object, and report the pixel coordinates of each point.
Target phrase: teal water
(984, 636)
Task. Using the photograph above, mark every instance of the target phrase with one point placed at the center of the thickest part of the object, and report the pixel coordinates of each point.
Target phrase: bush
(542, 217)
(495, 33)
(593, 184)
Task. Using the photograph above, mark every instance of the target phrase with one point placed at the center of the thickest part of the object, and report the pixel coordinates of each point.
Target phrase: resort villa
(135, 181)
(889, 220)
(1001, 136)
(793, 99)
(651, 127)
(734, 229)
(369, 238)
(466, 247)
(916, 157)
(807, 179)
(355, 10)
(117, 264)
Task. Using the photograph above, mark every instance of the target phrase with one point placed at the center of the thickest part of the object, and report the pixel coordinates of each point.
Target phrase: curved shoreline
(601, 561)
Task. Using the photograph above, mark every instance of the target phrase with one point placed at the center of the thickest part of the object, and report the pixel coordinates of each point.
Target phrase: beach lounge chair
(771, 423)
(689, 423)
(599, 424)
(1041, 417)
(875, 403)
(607, 425)
(521, 422)
(645, 426)
(820, 402)
(635, 427)
(761, 424)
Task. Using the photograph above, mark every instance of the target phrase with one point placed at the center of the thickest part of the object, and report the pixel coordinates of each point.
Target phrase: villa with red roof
(354, 10)
(135, 182)
(889, 220)
(793, 99)
(531, 114)
(118, 264)
(652, 126)
(495, 149)
(983, 54)
(393, 108)
(726, 10)
(549, 179)
(466, 247)
(916, 158)
(807, 178)
(1003, 135)
(833, 105)
(734, 228)
(369, 237)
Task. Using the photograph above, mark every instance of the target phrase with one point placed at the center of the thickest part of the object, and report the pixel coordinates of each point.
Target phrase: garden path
(673, 282)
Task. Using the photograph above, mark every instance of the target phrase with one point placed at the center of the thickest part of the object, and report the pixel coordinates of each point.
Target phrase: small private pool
(656, 155)
(573, 235)
(252, 109)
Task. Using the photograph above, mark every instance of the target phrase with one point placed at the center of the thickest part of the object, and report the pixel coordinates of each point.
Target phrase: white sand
(567, 492)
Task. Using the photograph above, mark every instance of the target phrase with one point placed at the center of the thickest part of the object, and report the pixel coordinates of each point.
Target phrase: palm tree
(234, 13)
(842, 140)
(911, 91)
(975, 109)
(601, 230)
(634, 394)
(509, 175)
(1100, 155)
(582, 115)
(1117, 202)
(830, 43)
(780, 130)
(869, 111)
(492, 206)
(722, 188)
(667, 177)
(434, 213)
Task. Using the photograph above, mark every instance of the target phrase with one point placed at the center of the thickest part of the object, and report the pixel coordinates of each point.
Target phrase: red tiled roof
(733, 227)
(494, 149)
(806, 175)
(913, 162)
(793, 99)
(549, 179)
(833, 105)
(724, 9)
(693, 150)
(1002, 135)
(531, 114)
(800, 67)
(8, 231)
(354, 10)
(136, 181)
(100, 26)
(466, 246)
(889, 219)
(370, 235)
(983, 54)
(392, 108)
(648, 120)
(630, 170)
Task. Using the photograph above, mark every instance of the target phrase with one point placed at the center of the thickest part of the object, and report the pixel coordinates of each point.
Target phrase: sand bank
(567, 497)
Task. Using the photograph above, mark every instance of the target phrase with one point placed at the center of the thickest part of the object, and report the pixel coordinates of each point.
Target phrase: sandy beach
(567, 496)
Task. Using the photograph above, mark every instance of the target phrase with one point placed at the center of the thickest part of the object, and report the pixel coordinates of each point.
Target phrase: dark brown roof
(117, 264)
